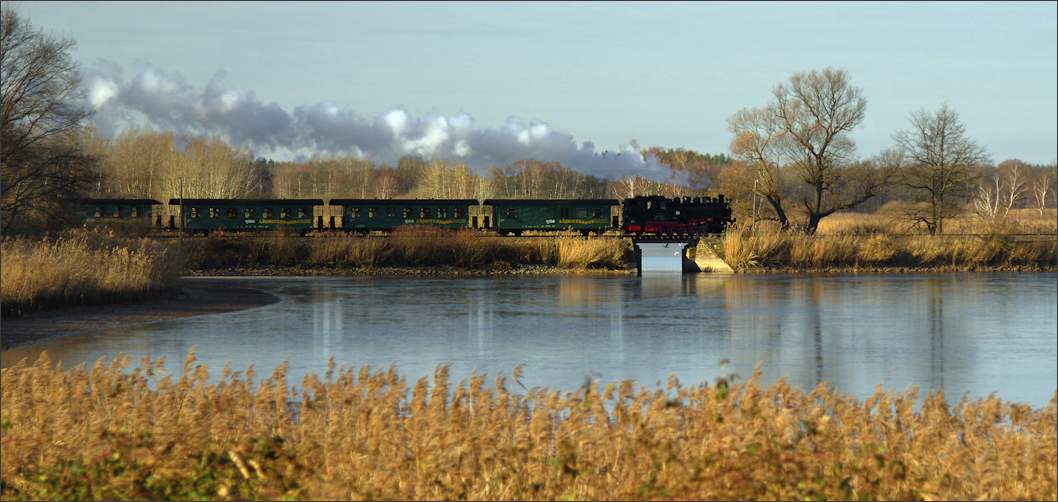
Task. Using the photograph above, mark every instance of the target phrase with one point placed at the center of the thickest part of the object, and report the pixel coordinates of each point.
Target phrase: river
(966, 333)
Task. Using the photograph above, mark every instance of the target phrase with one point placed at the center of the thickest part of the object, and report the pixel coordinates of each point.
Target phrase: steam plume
(163, 100)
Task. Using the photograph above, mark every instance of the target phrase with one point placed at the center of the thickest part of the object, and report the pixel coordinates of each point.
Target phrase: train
(654, 215)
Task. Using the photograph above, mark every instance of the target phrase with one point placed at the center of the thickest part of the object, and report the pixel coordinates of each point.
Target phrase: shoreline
(898, 270)
(548, 270)
(200, 298)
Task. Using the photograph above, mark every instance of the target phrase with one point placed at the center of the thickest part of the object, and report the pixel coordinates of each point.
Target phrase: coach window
(99, 212)
(512, 212)
(442, 212)
(582, 212)
(424, 212)
(284, 212)
(136, 212)
(214, 212)
(565, 212)
(372, 212)
(117, 212)
(407, 212)
(460, 212)
(266, 212)
(196, 212)
(232, 212)
(597, 213)
(249, 213)
(391, 212)
(354, 212)
(302, 212)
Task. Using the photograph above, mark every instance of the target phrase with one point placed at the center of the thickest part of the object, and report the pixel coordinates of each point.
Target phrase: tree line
(140, 162)
(792, 160)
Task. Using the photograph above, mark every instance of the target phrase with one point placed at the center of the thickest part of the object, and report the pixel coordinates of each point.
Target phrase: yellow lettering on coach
(286, 222)
(581, 222)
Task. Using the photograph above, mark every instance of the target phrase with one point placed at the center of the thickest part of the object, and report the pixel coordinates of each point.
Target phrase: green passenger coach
(514, 216)
(205, 215)
(366, 215)
(137, 212)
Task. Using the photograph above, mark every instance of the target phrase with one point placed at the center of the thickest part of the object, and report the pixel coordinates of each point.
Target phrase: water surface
(962, 332)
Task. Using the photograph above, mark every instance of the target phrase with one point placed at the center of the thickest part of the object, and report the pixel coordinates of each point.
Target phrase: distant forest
(143, 163)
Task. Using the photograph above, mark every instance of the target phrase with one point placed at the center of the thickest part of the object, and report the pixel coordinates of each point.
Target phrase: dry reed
(110, 433)
(405, 247)
(570, 250)
(83, 267)
(891, 220)
(865, 243)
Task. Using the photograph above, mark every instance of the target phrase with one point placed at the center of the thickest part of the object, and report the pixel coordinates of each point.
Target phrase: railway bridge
(691, 254)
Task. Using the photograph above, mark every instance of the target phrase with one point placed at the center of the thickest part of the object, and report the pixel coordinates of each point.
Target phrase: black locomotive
(685, 216)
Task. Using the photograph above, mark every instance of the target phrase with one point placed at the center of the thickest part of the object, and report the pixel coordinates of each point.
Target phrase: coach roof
(410, 202)
(551, 202)
(247, 202)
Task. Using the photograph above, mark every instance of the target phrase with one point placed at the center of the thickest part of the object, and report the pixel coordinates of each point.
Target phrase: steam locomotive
(639, 216)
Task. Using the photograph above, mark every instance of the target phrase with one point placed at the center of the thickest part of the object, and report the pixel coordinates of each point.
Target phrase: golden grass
(891, 220)
(405, 247)
(83, 267)
(868, 242)
(110, 433)
(570, 250)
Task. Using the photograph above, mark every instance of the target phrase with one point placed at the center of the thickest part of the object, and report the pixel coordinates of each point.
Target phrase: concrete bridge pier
(701, 258)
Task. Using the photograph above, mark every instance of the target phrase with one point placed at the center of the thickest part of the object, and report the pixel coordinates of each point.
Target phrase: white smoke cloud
(162, 100)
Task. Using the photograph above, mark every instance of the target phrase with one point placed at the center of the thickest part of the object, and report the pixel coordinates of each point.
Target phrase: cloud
(164, 101)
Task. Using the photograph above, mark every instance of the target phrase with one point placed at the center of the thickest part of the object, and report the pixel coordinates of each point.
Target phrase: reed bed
(83, 267)
(573, 251)
(865, 245)
(112, 432)
(892, 221)
(406, 247)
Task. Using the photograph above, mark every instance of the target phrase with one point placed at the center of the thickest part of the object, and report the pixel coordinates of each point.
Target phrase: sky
(490, 83)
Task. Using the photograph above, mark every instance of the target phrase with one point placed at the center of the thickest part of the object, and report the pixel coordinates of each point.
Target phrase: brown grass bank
(97, 267)
(403, 248)
(109, 433)
(84, 267)
(862, 245)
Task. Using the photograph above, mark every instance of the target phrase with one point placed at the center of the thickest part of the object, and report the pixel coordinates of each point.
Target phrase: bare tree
(988, 199)
(40, 119)
(1017, 183)
(817, 110)
(942, 166)
(757, 138)
(1041, 190)
(386, 183)
(806, 130)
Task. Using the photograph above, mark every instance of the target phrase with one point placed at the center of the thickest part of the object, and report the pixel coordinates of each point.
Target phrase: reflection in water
(661, 258)
(961, 332)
